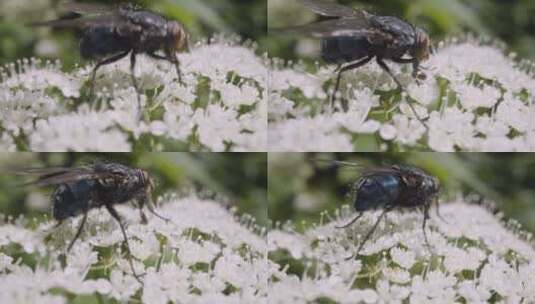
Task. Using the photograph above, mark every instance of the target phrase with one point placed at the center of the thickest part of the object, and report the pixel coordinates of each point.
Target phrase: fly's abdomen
(100, 42)
(344, 49)
(72, 199)
(377, 191)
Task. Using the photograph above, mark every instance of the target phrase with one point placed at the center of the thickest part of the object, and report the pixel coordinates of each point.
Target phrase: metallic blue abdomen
(377, 191)
(72, 199)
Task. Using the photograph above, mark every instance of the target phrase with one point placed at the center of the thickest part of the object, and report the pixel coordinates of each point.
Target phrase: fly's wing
(344, 27)
(59, 175)
(381, 170)
(329, 8)
(336, 162)
(91, 15)
(87, 8)
(81, 22)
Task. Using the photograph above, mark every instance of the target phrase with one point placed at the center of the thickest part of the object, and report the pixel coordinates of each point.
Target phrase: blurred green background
(202, 19)
(300, 187)
(508, 20)
(239, 178)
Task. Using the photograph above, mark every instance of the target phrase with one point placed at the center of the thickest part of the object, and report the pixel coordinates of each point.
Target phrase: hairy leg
(106, 61)
(78, 233)
(351, 66)
(116, 216)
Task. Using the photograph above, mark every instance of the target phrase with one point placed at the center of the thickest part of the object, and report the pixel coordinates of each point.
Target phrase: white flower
(514, 113)
(81, 257)
(221, 106)
(402, 257)
(472, 258)
(388, 132)
(474, 98)
(203, 254)
(391, 293)
(451, 129)
(309, 134)
(79, 132)
(122, 286)
(409, 130)
(425, 94)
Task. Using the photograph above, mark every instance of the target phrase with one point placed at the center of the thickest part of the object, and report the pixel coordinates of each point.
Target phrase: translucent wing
(379, 170)
(87, 8)
(329, 8)
(59, 175)
(93, 14)
(335, 28)
(82, 22)
(337, 162)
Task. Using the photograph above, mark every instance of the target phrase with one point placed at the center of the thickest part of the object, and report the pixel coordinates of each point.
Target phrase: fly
(112, 33)
(80, 189)
(351, 38)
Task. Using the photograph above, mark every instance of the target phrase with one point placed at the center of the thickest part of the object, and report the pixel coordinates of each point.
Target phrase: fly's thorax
(177, 37)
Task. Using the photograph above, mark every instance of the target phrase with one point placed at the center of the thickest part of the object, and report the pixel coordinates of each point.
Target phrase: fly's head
(431, 185)
(423, 46)
(177, 38)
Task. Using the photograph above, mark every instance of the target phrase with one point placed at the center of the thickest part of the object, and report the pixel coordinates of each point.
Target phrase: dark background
(510, 21)
(201, 18)
(239, 178)
(300, 187)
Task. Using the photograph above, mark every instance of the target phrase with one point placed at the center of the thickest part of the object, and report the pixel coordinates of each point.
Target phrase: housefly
(111, 33)
(392, 187)
(351, 38)
(80, 189)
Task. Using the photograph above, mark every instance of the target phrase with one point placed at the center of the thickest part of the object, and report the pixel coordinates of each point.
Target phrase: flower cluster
(473, 98)
(203, 255)
(472, 258)
(220, 106)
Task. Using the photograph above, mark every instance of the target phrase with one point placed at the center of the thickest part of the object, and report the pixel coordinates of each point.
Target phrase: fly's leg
(140, 205)
(116, 216)
(351, 222)
(424, 223)
(351, 66)
(415, 64)
(134, 82)
(150, 206)
(437, 210)
(383, 65)
(78, 233)
(177, 66)
(58, 224)
(369, 234)
(99, 64)
(173, 59)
